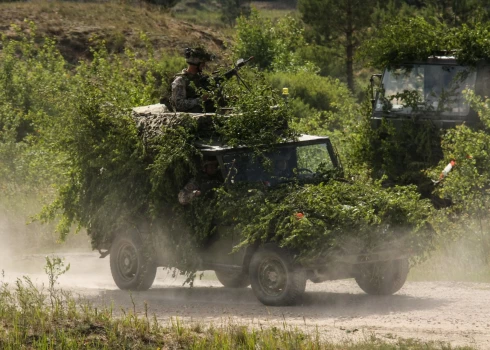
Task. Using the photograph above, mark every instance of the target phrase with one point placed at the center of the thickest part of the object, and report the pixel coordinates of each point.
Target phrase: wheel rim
(127, 261)
(272, 276)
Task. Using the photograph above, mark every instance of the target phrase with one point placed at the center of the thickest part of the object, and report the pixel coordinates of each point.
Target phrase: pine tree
(339, 23)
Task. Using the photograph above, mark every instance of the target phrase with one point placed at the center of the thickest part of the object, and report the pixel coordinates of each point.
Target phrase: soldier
(206, 181)
(187, 87)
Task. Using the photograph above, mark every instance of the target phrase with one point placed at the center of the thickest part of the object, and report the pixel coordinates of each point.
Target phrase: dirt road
(458, 313)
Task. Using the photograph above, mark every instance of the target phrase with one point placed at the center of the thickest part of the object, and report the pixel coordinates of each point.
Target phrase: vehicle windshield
(430, 87)
(280, 165)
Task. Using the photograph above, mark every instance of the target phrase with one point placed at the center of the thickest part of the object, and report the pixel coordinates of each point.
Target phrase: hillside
(74, 25)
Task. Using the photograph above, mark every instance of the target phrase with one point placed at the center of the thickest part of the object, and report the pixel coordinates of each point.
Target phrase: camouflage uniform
(203, 184)
(185, 96)
(188, 193)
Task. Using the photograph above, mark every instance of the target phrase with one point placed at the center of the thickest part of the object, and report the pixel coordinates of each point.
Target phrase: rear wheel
(383, 278)
(233, 279)
(275, 279)
(132, 266)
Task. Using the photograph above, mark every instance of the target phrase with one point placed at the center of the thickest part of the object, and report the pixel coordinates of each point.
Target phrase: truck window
(438, 87)
(315, 158)
(280, 165)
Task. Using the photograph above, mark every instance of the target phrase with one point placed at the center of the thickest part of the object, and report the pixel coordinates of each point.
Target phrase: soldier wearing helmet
(187, 86)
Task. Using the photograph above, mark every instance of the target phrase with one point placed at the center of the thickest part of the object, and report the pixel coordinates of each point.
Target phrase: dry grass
(74, 25)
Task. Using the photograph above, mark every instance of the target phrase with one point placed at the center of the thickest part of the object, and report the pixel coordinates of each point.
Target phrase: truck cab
(307, 159)
(412, 105)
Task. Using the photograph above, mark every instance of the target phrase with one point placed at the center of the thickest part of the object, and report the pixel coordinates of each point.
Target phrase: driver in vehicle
(281, 165)
(281, 168)
(208, 179)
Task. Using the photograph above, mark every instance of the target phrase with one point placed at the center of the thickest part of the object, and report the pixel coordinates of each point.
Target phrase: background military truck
(275, 274)
(413, 103)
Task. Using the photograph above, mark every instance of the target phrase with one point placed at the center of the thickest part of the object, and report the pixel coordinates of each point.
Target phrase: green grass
(49, 318)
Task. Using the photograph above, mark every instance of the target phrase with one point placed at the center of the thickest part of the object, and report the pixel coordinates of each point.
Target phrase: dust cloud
(464, 260)
(24, 247)
(6, 245)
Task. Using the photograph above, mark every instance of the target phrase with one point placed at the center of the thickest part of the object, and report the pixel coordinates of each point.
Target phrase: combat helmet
(197, 55)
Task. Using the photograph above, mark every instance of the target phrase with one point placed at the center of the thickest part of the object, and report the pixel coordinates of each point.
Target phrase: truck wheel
(275, 279)
(233, 279)
(383, 278)
(132, 267)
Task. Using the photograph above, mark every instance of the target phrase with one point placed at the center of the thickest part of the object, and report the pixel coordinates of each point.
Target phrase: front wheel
(275, 279)
(233, 279)
(132, 266)
(383, 278)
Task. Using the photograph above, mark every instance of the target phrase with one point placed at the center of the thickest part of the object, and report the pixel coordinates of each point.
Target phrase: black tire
(132, 266)
(233, 279)
(275, 279)
(382, 278)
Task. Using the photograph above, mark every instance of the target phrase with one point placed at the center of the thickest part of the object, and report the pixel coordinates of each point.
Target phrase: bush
(310, 94)
(274, 46)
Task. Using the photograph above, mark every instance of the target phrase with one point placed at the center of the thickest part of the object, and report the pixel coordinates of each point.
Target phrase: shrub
(275, 46)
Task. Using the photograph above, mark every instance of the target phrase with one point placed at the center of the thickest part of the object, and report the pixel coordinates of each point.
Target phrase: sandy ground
(454, 312)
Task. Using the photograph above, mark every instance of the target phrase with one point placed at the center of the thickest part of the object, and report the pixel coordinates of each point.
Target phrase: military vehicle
(414, 103)
(274, 274)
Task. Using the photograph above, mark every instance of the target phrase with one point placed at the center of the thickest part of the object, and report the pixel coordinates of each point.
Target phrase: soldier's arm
(189, 192)
(179, 98)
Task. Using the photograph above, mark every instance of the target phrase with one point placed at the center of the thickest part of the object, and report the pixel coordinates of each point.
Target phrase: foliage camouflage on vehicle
(424, 38)
(331, 218)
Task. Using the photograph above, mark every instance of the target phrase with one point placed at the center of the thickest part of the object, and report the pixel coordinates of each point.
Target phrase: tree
(339, 23)
(457, 12)
(232, 9)
(395, 9)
